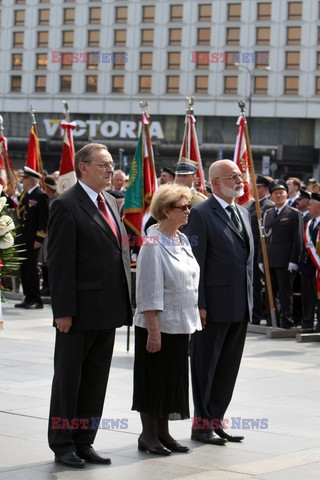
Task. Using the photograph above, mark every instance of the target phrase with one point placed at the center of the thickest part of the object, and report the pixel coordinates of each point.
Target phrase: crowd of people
(200, 281)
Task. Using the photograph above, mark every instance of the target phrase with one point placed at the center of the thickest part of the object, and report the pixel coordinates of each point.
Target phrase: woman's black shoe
(143, 447)
(175, 447)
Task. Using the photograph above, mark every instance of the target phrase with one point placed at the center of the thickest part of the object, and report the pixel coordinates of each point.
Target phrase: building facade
(105, 56)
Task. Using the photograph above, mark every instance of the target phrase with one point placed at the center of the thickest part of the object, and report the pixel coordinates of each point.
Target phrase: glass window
(148, 14)
(145, 82)
(175, 35)
(176, 13)
(146, 61)
(16, 61)
(92, 62)
(231, 59)
(121, 14)
(42, 61)
(40, 83)
(94, 15)
(205, 12)
(20, 2)
(291, 85)
(231, 85)
(66, 61)
(204, 36)
(91, 83)
(173, 82)
(202, 60)
(19, 17)
(147, 37)
(43, 38)
(118, 83)
(68, 16)
(233, 36)
(317, 85)
(173, 60)
(120, 38)
(18, 38)
(293, 35)
(262, 60)
(47, 1)
(263, 35)
(264, 11)
(44, 16)
(292, 60)
(16, 82)
(234, 11)
(318, 60)
(119, 60)
(93, 38)
(65, 83)
(261, 85)
(294, 10)
(67, 38)
(201, 84)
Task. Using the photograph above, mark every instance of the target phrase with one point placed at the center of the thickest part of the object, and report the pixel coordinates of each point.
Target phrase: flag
(67, 174)
(142, 181)
(33, 154)
(190, 150)
(7, 174)
(242, 161)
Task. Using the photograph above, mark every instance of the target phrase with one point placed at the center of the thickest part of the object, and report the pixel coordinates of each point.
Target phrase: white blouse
(167, 281)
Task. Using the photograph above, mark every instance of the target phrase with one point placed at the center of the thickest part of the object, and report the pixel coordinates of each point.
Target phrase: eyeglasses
(104, 165)
(184, 208)
(233, 177)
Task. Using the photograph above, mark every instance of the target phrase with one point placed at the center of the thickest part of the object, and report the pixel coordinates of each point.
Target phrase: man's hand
(292, 267)
(203, 316)
(36, 245)
(63, 324)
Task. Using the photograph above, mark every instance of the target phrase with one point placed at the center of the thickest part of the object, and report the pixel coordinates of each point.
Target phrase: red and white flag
(242, 160)
(33, 154)
(67, 175)
(7, 174)
(190, 150)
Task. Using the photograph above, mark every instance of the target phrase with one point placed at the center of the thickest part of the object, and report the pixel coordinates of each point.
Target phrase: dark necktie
(277, 212)
(107, 216)
(312, 225)
(235, 219)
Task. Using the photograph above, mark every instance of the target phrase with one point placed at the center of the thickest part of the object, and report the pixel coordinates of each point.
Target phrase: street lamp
(251, 74)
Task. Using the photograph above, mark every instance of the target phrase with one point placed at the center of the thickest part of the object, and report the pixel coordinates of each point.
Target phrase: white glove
(292, 267)
(261, 267)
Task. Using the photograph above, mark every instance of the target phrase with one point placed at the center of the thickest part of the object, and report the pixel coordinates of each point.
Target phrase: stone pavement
(279, 381)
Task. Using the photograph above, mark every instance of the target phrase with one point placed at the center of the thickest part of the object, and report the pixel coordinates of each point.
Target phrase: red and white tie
(103, 209)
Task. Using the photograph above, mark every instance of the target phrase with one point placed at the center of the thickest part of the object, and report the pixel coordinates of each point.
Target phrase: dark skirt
(161, 380)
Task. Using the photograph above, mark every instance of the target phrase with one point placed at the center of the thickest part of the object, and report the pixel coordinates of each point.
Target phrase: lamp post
(251, 74)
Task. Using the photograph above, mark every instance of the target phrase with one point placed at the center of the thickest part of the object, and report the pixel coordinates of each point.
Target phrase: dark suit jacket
(89, 272)
(284, 234)
(33, 217)
(265, 204)
(306, 265)
(225, 260)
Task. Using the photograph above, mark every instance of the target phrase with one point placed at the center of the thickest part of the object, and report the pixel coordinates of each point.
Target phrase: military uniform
(197, 197)
(33, 212)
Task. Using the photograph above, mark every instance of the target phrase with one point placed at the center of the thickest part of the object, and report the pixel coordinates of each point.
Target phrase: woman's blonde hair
(166, 197)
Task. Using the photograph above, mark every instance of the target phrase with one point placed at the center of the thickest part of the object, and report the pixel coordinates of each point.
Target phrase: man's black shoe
(70, 459)
(286, 324)
(91, 456)
(20, 305)
(33, 306)
(231, 438)
(207, 437)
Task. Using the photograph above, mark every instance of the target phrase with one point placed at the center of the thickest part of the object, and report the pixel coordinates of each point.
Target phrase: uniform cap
(278, 184)
(29, 173)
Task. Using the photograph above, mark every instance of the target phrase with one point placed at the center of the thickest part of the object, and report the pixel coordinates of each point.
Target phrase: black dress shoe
(20, 305)
(231, 438)
(286, 324)
(143, 447)
(33, 306)
(91, 456)
(70, 459)
(207, 437)
(174, 446)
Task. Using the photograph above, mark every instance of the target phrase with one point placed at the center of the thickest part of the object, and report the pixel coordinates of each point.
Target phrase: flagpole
(242, 105)
(39, 162)
(144, 105)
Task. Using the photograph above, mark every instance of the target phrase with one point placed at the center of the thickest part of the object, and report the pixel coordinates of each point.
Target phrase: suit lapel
(224, 216)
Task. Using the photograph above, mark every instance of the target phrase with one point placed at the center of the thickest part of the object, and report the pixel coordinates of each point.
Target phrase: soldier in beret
(283, 229)
(33, 212)
(186, 175)
(167, 175)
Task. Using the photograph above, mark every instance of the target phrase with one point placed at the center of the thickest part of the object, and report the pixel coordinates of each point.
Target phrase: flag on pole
(33, 154)
(7, 174)
(142, 181)
(67, 174)
(241, 159)
(190, 150)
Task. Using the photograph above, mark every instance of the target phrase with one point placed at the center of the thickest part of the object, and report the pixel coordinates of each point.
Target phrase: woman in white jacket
(167, 313)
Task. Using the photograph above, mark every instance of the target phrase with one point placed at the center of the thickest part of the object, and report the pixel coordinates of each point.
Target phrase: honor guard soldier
(283, 228)
(33, 219)
(186, 175)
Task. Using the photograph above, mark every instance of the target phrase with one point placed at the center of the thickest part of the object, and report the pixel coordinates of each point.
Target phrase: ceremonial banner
(33, 154)
(7, 174)
(142, 181)
(241, 159)
(67, 175)
(314, 252)
(190, 150)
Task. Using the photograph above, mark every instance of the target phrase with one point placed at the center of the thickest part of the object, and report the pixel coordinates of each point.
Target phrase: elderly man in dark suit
(283, 228)
(89, 276)
(223, 247)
